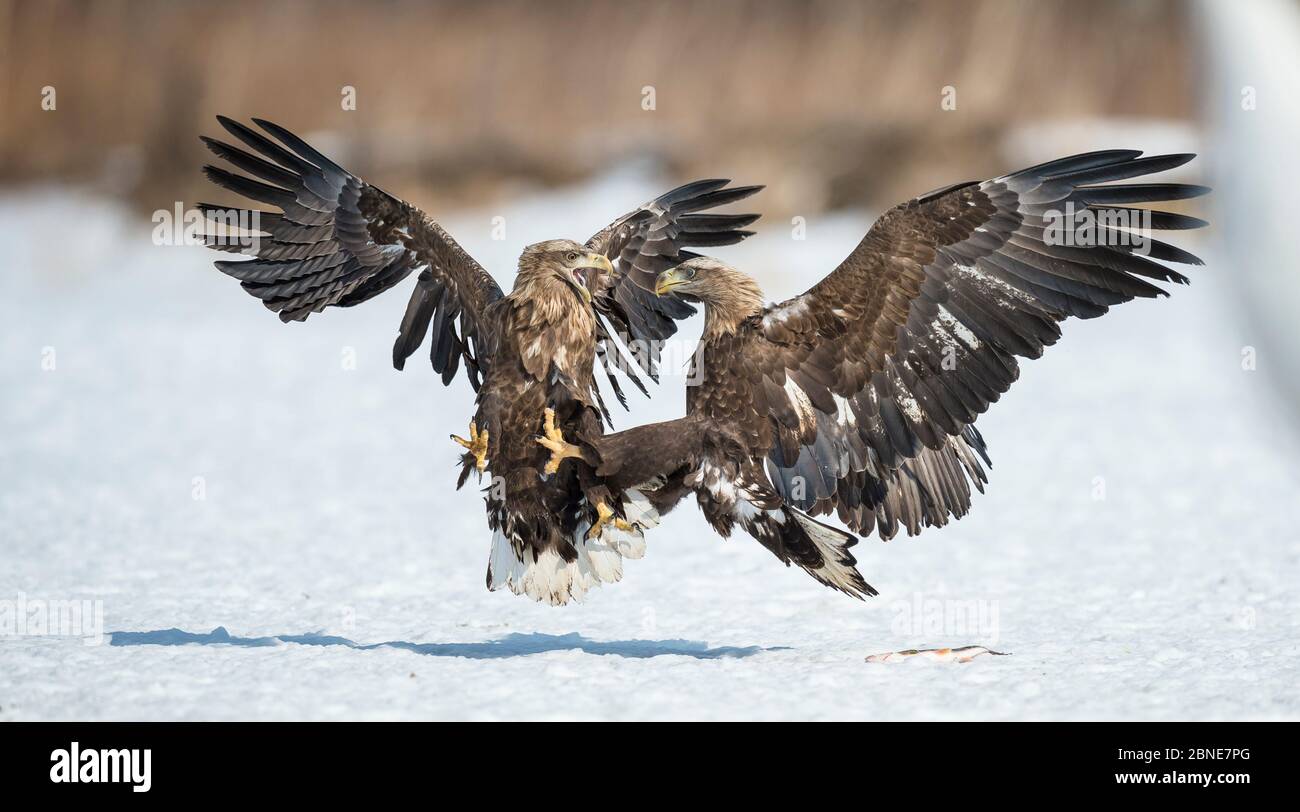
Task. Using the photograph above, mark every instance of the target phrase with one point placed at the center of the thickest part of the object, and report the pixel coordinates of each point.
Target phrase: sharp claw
(477, 444)
(605, 515)
(554, 442)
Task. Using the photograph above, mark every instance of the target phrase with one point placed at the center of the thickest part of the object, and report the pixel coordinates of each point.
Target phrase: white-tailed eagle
(339, 241)
(859, 397)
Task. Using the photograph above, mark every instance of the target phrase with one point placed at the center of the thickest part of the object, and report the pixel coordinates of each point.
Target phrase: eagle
(859, 397)
(336, 241)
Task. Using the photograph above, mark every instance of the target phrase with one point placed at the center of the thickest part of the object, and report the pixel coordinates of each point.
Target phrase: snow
(266, 514)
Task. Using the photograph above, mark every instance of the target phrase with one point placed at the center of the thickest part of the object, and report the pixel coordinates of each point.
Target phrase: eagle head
(707, 280)
(728, 296)
(580, 268)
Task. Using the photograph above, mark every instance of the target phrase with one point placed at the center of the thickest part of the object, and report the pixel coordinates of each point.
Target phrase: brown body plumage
(542, 357)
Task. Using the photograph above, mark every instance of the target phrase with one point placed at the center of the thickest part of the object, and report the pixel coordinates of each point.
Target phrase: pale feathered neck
(731, 297)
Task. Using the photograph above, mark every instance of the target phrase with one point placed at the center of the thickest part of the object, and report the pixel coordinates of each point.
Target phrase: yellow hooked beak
(594, 261)
(672, 278)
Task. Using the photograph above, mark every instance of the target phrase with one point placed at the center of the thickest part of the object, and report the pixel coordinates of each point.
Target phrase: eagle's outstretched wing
(651, 239)
(875, 376)
(338, 241)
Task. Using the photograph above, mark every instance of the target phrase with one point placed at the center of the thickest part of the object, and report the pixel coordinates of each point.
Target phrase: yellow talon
(477, 445)
(603, 515)
(554, 441)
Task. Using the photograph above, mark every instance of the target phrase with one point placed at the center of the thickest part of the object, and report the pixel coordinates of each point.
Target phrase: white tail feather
(837, 569)
(549, 578)
(638, 510)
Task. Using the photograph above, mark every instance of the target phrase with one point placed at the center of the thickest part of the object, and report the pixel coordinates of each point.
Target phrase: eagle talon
(554, 440)
(605, 515)
(477, 444)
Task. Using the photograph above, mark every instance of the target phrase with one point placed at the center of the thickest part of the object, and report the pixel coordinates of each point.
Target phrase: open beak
(669, 279)
(591, 262)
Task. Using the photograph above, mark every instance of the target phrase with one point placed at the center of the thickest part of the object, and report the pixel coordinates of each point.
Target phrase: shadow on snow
(512, 645)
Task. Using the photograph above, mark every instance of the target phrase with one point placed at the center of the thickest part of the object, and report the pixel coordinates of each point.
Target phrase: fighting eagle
(859, 397)
(339, 241)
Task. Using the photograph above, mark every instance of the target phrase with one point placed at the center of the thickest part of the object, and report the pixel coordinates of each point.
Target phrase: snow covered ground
(273, 533)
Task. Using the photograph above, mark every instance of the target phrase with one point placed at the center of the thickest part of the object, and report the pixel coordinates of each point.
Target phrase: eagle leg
(603, 515)
(477, 445)
(554, 440)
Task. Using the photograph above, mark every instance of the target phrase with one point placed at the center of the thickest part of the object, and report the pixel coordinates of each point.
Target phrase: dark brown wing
(338, 241)
(652, 239)
(875, 375)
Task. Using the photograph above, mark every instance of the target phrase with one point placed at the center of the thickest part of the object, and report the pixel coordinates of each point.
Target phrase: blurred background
(171, 448)
(831, 103)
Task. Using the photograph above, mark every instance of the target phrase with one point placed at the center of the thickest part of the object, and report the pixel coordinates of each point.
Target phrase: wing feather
(651, 239)
(919, 329)
(339, 241)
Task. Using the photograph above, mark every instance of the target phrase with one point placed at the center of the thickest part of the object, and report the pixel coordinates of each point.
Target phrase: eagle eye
(572, 256)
